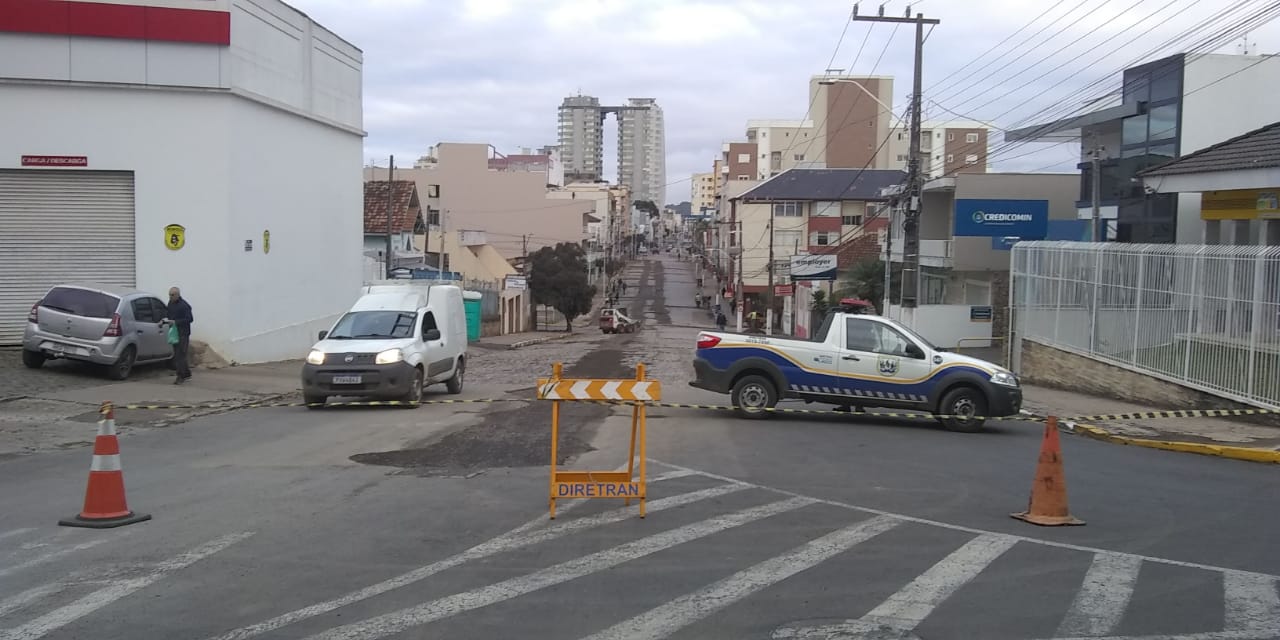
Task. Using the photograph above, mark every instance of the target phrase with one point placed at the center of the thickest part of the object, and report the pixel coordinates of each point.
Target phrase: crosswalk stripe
(521, 537)
(913, 603)
(1103, 597)
(52, 555)
(15, 532)
(63, 616)
(1251, 603)
(397, 621)
(665, 620)
(21, 600)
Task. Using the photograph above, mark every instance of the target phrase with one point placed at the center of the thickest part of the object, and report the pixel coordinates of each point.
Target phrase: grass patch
(1214, 365)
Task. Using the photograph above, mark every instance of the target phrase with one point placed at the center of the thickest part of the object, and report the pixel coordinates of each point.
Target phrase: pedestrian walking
(721, 321)
(179, 313)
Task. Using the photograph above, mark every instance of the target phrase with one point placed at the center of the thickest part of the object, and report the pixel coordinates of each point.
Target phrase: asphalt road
(795, 527)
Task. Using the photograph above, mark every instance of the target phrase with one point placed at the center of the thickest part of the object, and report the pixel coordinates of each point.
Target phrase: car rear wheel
(454, 384)
(965, 408)
(753, 396)
(122, 367)
(32, 359)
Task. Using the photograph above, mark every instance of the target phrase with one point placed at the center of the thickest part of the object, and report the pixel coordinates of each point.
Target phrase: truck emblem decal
(888, 366)
(349, 359)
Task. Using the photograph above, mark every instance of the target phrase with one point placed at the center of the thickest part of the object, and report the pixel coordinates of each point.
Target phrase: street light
(857, 84)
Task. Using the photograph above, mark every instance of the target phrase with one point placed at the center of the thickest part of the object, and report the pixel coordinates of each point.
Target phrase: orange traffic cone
(1048, 505)
(104, 503)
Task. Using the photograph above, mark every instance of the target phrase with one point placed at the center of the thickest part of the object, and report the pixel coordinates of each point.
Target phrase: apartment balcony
(933, 253)
(472, 238)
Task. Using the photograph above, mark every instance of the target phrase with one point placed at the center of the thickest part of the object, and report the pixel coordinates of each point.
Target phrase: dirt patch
(519, 437)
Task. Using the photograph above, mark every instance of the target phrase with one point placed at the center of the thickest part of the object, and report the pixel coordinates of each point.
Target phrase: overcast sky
(495, 70)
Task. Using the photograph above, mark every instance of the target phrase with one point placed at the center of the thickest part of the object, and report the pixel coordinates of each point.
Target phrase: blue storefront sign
(1024, 219)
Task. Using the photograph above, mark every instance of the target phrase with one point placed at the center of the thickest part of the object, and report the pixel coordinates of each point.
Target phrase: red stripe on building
(62, 17)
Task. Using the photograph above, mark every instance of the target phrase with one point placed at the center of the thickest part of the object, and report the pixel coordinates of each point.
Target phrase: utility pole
(391, 199)
(1096, 232)
(915, 177)
(524, 253)
(768, 309)
(443, 215)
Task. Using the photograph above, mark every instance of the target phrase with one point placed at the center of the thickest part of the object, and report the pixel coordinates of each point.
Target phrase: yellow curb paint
(1234, 453)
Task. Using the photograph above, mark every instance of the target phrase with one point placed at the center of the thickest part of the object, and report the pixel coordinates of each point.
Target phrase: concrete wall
(944, 325)
(1047, 366)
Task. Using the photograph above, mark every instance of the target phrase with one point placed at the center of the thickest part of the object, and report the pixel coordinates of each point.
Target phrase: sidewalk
(1210, 436)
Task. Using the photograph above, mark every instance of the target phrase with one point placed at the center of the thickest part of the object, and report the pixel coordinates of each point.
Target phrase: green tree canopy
(558, 278)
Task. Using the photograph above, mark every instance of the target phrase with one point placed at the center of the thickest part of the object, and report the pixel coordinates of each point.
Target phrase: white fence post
(1255, 319)
(1137, 308)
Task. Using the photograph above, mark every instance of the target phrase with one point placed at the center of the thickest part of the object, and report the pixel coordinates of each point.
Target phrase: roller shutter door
(58, 227)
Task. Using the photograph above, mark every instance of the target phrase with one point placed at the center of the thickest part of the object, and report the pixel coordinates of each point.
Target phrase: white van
(395, 340)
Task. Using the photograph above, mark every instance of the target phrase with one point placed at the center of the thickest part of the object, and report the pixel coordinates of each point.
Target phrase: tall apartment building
(642, 153)
(946, 148)
(702, 192)
(641, 144)
(581, 136)
(782, 145)
(852, 115)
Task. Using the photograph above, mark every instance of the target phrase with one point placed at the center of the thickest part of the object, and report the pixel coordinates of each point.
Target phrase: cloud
(495, 71)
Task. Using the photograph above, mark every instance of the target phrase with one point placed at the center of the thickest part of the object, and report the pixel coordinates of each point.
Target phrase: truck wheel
(752, 397)
(968, 404)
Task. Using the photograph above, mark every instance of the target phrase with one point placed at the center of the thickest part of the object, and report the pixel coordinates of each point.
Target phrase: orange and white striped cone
(104, 502)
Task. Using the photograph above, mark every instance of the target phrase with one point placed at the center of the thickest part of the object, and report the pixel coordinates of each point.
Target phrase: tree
(647, 206)
(864, 279)
(558, 278)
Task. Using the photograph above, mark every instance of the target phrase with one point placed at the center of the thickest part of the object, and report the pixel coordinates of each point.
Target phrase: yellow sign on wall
(266, 242)
(175, 236)
(1240, 204)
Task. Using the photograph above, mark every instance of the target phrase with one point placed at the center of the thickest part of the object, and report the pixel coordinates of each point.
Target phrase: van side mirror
(322, 335)
(431, 334)
(914, 351)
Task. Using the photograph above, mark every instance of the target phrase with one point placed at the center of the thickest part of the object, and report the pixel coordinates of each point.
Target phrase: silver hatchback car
(104, 325)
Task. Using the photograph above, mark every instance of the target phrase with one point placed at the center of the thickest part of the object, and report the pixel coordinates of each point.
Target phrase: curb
(533, 341)
(1222, 451)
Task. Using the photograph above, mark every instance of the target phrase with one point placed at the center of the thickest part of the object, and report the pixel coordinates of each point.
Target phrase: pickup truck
(855, 361)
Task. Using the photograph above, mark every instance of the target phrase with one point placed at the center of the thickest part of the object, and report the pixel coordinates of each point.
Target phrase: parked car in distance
(114, 327)
(395, 340)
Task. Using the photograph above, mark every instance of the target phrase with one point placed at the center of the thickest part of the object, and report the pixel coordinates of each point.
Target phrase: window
(744, 157)
(428, 323)
(971, 159)
(951, 137)
(374, 325)
(851, 221)
(159, 310)
(970, 137)
(1134, 130)
(951, 157)
(81, 302)
(899, 136)
(822, 238)
(433, 191)
(826, 209)
(902, 157)
(142, 311)
(744, 177)
(787, 209)
(799, 157)
(874, 337)
(1164, 122)
(786, 240)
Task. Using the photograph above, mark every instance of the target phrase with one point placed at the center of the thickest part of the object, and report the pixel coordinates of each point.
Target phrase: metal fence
(1207, 316)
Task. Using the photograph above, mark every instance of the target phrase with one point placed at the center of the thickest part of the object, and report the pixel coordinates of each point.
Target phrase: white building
(210, 144)
(642, 154)
(782, 145)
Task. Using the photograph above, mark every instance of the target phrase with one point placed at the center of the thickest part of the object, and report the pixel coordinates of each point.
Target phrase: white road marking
(914, 602)
(665, 620)
(906, 609)
(517, 538)
(397, 621)
(116, 590)
(15, 532)
(975, 531)
(50, 556)
(1251, 604)
(22, 600)
(1103, 597)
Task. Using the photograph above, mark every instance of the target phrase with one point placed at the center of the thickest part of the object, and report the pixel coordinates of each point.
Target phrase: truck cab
(395, 340)
(855, 361)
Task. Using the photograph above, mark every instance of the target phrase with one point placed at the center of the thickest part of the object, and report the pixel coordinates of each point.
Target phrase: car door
(884, 362)
(161, 311)
(146, 329)
(434, 355)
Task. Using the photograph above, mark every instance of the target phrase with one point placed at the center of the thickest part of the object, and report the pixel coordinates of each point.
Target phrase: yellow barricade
(626, 485)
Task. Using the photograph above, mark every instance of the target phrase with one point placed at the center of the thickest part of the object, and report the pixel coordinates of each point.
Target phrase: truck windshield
(918, 338)
(386, 325)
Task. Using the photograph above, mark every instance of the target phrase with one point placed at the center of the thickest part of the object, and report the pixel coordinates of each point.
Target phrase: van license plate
(346, 379)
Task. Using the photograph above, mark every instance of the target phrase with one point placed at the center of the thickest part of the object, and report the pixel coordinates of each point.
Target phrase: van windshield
(387, 325)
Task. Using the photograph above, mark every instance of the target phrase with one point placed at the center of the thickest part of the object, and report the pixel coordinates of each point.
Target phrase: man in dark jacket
(180, 315)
